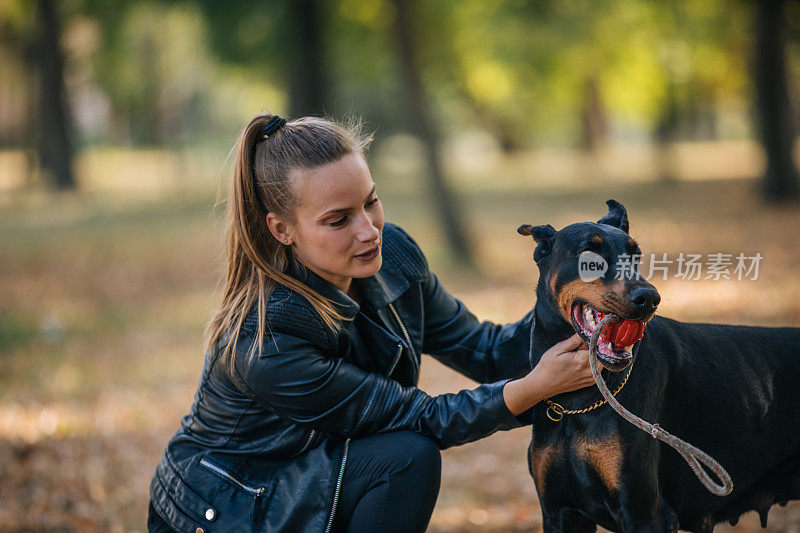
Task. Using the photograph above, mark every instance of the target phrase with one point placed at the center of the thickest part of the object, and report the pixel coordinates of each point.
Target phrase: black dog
(732, 391)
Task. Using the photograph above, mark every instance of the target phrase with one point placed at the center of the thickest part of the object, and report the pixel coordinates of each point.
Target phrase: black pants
(390, 483)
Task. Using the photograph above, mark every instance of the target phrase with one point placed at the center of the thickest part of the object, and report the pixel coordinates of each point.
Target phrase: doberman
(732, 391)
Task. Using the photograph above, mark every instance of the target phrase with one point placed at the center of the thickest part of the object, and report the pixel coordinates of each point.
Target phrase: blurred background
(117, 119)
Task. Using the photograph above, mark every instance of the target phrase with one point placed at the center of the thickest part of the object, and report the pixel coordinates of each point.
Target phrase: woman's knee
(423, 454)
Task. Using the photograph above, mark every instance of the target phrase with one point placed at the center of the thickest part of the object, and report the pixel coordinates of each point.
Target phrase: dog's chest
(577, 468)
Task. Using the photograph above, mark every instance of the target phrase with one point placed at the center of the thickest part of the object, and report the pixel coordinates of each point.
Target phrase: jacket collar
(378, 290)
(382, 288)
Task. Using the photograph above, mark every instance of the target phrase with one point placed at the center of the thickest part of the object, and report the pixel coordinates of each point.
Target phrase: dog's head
(588, 270)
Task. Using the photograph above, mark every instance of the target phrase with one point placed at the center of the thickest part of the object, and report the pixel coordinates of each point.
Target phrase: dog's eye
(592, 246)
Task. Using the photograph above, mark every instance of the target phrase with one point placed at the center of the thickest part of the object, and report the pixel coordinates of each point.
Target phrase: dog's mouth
(616, 341)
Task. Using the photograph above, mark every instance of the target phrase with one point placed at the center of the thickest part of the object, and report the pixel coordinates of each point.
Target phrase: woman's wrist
(522, 394)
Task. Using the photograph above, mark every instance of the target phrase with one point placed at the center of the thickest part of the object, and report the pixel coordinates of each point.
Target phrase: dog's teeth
(610, 347)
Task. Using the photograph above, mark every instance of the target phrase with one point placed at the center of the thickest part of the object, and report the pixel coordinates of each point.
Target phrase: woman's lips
(369, 255)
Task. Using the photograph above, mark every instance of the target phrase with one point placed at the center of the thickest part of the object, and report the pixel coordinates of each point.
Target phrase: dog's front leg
(566, 521)
(642, 509)
(662, 520)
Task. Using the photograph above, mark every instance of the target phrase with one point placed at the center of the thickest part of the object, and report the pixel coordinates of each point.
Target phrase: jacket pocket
(205, 497)
(179, 506)
(230, 478)
(243, 504)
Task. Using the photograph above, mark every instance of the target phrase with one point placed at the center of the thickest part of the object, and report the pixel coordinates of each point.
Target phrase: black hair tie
(274, 124)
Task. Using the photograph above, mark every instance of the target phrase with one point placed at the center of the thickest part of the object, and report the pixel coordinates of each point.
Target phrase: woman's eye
(373, 202)
(339, 222)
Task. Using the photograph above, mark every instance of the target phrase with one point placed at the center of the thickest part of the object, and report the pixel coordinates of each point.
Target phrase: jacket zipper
(396, 359)
(307, 443)
(338, 486)
(406, 335)
(258, 491)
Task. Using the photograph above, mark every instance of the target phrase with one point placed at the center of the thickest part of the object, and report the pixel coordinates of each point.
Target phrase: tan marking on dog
(597, 239)
(553, 280)
(608, 298)
(541, 459)
(604, 455)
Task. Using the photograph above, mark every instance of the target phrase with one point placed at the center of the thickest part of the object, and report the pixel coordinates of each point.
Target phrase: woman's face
(338, 221)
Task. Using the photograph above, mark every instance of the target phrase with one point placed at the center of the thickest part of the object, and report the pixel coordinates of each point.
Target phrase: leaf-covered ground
(103, 301)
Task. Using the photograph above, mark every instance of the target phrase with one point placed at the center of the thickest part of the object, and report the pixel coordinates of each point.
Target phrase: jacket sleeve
(482, 351)
(302, 384)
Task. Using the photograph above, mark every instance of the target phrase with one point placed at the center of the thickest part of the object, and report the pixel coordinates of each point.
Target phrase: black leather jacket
(265, 443)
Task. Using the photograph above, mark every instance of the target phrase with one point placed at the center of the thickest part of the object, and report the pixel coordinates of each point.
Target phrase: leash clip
(555, 412)
(655, 430)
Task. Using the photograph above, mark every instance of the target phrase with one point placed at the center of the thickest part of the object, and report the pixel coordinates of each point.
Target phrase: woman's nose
(367, 231)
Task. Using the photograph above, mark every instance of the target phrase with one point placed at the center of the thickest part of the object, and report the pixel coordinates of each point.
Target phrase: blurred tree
(593, 115)
(781, 181)
(421, 122)
(307, 77)
(17, 73)
(55, 149)
(700, 50)
(279, 40)
(156, 68)
(666, 132)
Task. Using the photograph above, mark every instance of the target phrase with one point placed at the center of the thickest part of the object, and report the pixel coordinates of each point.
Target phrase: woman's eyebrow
(348, 209)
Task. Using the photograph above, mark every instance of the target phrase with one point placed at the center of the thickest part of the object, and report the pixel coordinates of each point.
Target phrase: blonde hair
(256, 261)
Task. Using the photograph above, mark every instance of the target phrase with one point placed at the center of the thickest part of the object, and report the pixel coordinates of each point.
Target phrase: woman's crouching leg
(390, 483)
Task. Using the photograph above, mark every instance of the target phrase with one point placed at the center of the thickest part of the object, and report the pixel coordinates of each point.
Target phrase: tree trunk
(781, 181)
(55, 150)
(307, 77)
(422, 125)
(504, 130)
(593, 117)
(665, 135)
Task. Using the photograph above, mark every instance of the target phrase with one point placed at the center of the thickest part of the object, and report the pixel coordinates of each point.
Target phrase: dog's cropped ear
(617, 216)
(543, 235)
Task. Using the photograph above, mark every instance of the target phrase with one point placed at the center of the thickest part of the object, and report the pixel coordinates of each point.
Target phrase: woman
(307, 416)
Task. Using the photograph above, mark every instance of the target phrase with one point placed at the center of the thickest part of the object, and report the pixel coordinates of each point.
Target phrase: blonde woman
(307, 416)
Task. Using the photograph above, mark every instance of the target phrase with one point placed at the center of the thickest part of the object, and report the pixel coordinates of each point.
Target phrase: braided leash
(693, 456)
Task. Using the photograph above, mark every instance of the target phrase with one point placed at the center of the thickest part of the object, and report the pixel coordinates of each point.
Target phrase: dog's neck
(551, 328)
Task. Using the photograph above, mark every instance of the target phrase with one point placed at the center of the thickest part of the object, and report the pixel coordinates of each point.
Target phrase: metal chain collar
(556, 411)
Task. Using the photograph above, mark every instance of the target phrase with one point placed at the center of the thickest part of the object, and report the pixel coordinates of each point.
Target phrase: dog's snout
(645, 299)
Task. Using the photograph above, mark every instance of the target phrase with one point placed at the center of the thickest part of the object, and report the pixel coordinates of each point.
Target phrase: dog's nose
(645, 299)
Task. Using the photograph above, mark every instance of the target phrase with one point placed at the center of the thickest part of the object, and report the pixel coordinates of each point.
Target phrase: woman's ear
(280, 229)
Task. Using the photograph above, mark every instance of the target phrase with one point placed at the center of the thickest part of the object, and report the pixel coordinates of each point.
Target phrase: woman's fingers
(581, 357)
(566, 345)
(565, 366)
(572, 342)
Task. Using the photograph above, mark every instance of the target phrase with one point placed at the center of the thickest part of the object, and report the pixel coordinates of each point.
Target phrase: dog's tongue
(623, 333)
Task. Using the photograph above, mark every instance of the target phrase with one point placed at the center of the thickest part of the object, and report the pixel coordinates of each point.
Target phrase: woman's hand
(562, 368)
